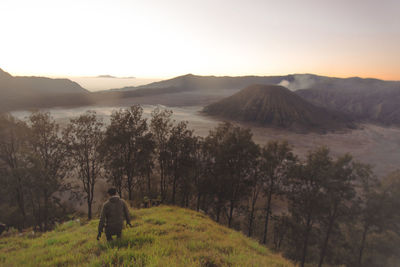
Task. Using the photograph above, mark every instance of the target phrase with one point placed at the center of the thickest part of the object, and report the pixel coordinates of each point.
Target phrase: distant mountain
(363, 99)
(190, 82)
(106, 76)
(273, 105)
(32, 92)
(293, 82)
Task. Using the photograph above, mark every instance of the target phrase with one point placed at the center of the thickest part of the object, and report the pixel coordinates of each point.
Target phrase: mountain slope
(377, 102)
(32, 92)
(37, 85)
(162, 236)
(275, 105)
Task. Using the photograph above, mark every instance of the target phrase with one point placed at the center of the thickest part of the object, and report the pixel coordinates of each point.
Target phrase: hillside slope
(161, 236)
(273, 105)
(37, 85)
(375, 102)
(35, 92)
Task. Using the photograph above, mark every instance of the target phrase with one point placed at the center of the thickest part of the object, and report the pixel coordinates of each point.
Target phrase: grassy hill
(161, 236)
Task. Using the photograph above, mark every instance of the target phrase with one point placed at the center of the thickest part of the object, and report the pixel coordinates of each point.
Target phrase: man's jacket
(113, 214)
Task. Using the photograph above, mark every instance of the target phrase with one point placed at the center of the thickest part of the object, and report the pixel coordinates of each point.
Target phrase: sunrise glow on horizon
(163, 39)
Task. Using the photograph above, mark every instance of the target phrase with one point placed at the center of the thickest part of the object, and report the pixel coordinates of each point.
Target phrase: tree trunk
(198, 202)
(325, 244)
(91, 194)
(40, 216)
(129, 185)
(46, 210)
(251, 218)
(162, 193)
(187, 201)
(232, 206)
(173, 190)
(130, 195)
(35, 219)
(21, 206)
(362, 245)
(218, 211)
(305, 244)
(268, 211)
(165, 188)
(280, 241)
(89, 209)
(148, 183)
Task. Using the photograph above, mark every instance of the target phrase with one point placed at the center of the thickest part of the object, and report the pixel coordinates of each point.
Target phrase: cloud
(284, 83)
(300, 81)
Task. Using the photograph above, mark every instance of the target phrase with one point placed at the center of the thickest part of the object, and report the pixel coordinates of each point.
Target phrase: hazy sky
(164, 38)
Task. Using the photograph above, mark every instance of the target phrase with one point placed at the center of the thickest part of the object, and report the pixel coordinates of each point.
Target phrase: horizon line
(59, 76)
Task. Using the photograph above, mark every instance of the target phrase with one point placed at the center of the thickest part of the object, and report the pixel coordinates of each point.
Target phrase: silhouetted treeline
(317, 210)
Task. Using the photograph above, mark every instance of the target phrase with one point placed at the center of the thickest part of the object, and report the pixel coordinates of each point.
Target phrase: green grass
(161, 236)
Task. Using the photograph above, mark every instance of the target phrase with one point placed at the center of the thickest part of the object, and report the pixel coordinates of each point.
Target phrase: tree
(180, 149)
(48, 158)
(277, 160)
(146, 160)
(282, 225)
(233, 151)
(114, 170)
(83, 137)
(125, 144)
(201, 173)
(370, 204)
(389, 225)
(13, 146)
(256, 187)
(304, 192)
(161, 125)
(339, 192)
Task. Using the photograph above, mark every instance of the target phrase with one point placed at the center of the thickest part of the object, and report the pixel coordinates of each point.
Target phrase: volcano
(277, 106)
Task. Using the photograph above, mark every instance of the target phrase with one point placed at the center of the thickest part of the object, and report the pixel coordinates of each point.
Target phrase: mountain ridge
(192, 82)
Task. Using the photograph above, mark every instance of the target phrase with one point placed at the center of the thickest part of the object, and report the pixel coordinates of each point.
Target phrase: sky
(161, 39)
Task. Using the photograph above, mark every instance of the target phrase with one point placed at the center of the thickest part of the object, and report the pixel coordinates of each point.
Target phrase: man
(112, 216)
